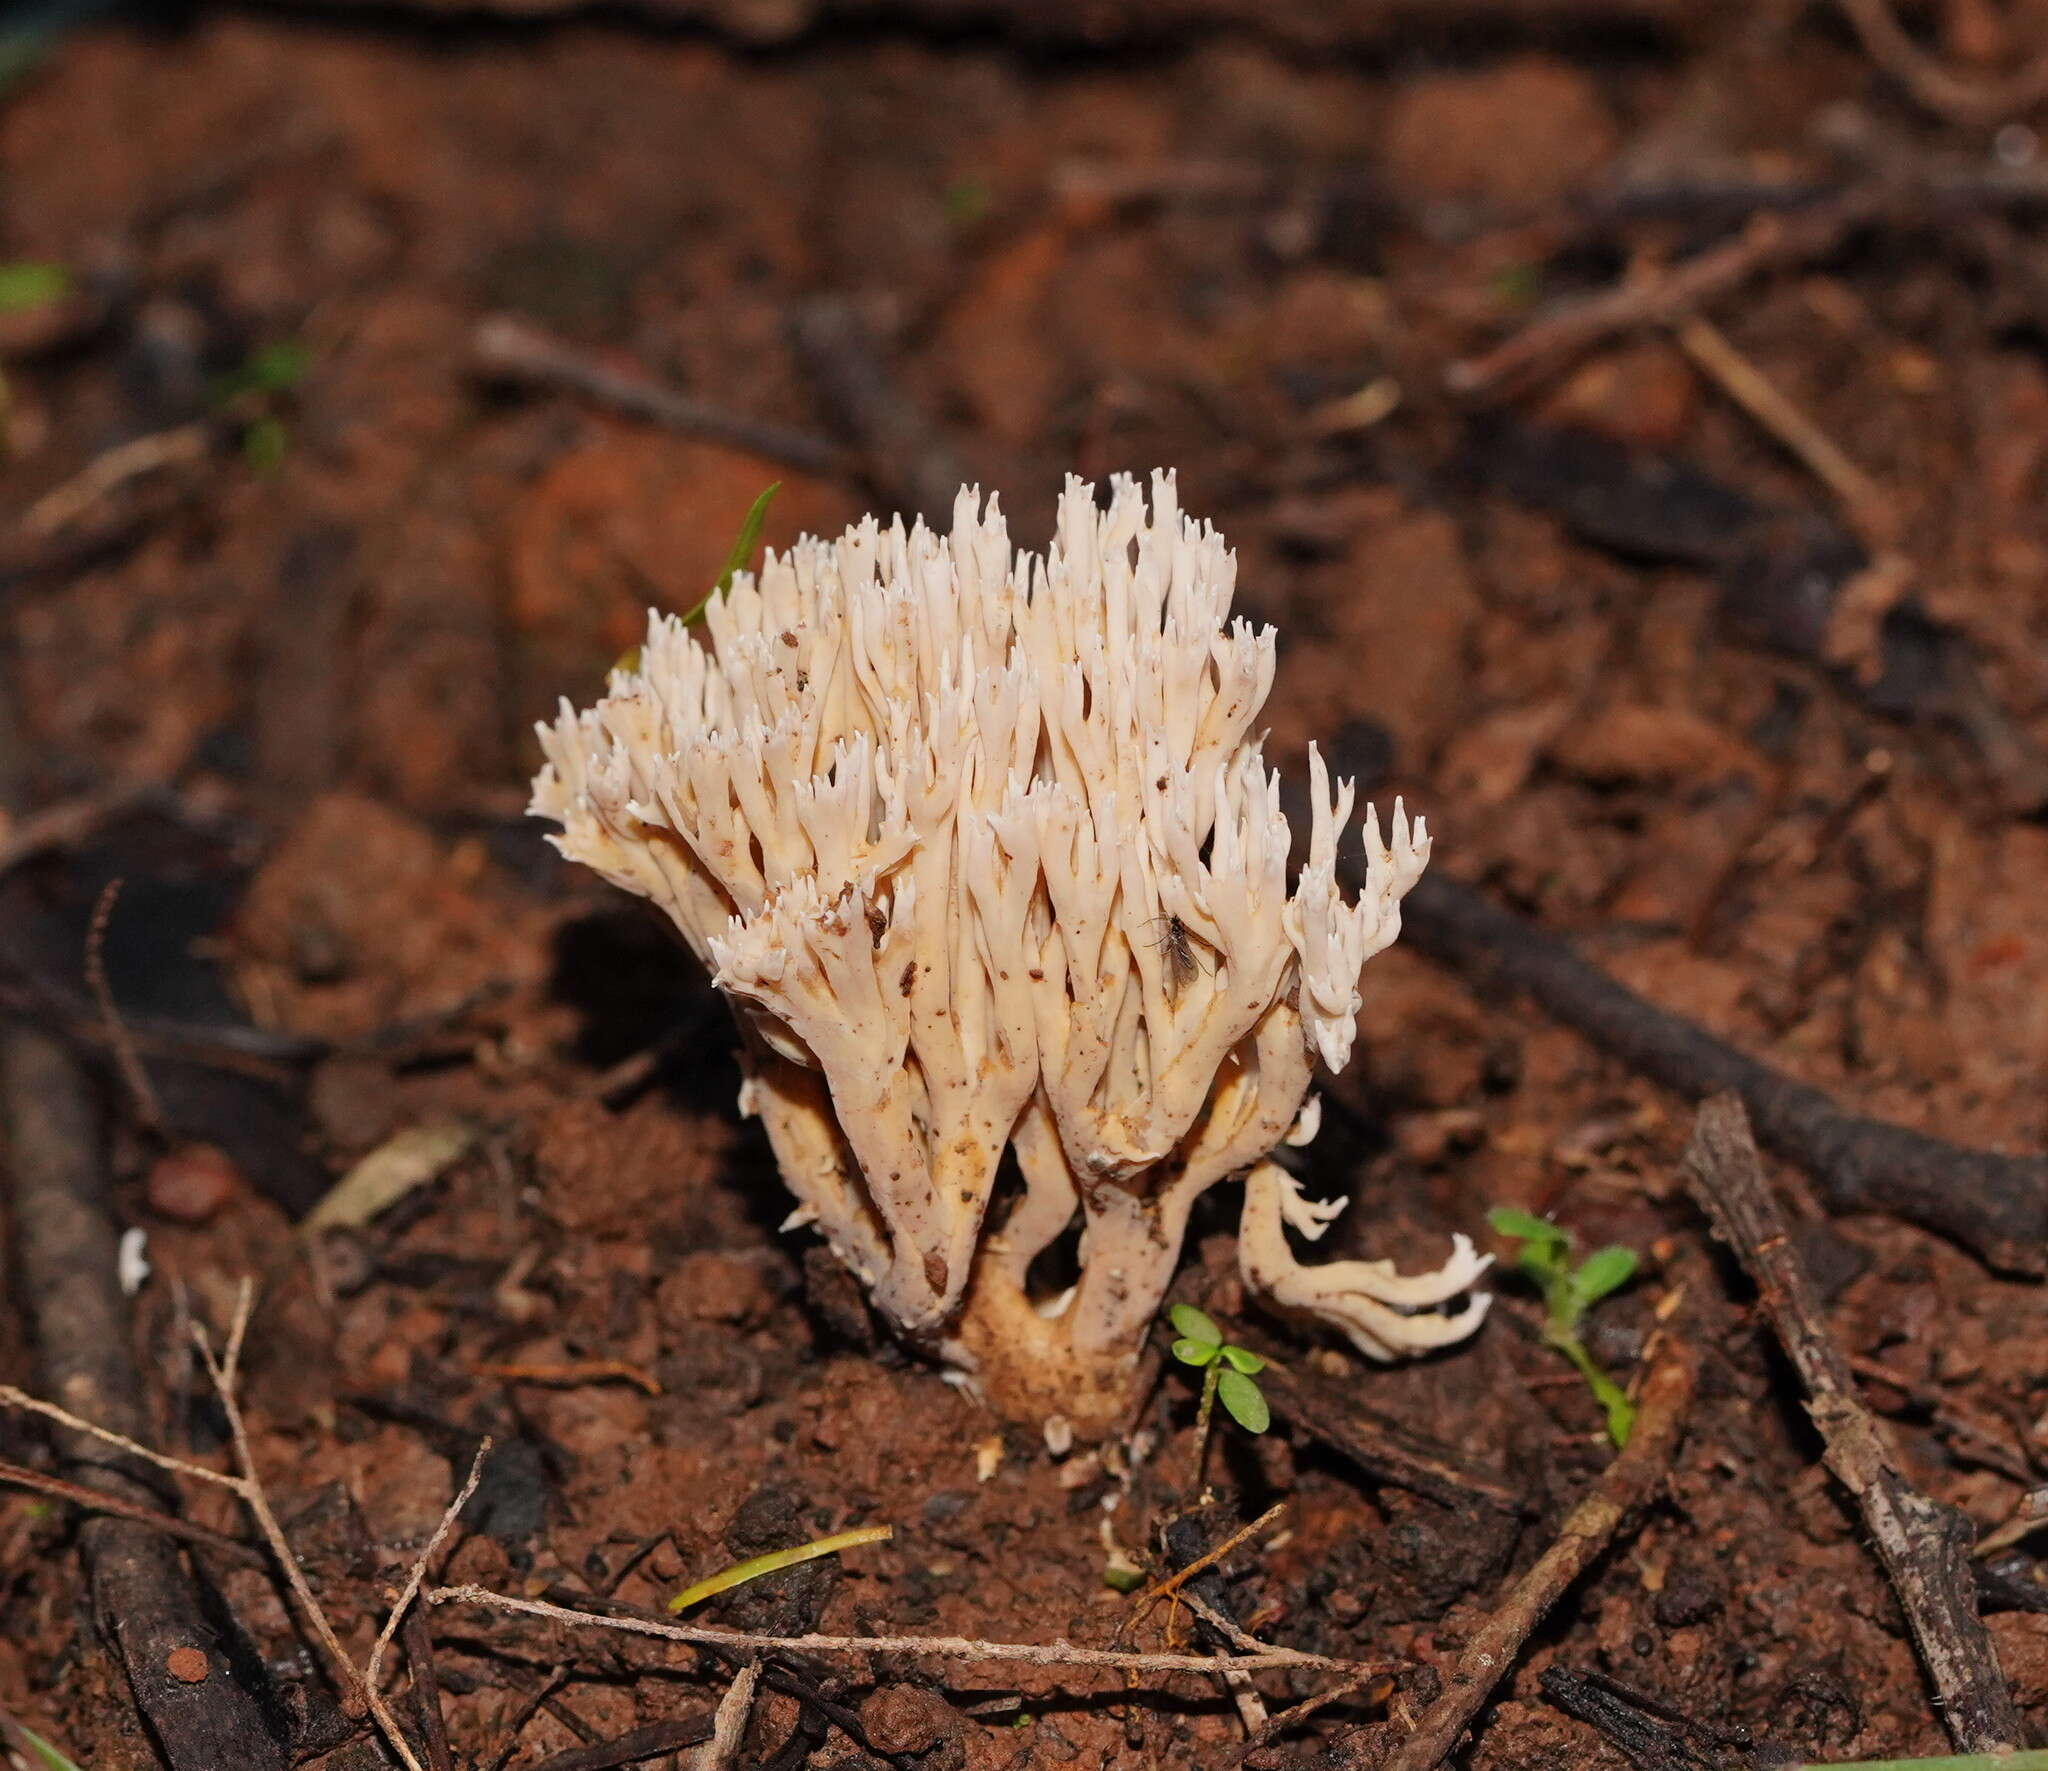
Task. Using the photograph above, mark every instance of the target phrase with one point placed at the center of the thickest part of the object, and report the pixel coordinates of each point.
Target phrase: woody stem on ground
(1212, 1375)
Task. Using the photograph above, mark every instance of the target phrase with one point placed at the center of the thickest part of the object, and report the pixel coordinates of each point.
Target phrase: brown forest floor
(1597, 620)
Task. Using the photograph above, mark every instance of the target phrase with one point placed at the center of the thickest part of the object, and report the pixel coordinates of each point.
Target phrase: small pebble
(186, 1665)
(191, 1184)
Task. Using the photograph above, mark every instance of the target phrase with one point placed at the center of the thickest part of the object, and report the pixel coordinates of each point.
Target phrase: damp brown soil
(1651, 710)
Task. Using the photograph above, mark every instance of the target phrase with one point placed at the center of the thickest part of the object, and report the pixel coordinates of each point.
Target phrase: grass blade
(756, 1566)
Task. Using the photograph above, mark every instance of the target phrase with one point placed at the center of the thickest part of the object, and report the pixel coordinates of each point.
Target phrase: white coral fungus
(982, 847)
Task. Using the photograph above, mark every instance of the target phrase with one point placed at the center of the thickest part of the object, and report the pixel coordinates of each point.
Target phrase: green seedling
(26, 284)
(776, 1560)
(251, 393)
(1569, 1291)
(1227, 1377)
(742, 551)
(32, 1746)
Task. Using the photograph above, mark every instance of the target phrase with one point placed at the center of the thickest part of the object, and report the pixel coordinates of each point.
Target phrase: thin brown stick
(1932, 85)
(10, 1397)
(403, 1603)
(642, 1743)
(1924, 1545)
(1300, 1712)
(1624, 1486)
(1657, 298)
(1865, 502)
(418, 1640)
(144, 1600)
(511, 350)
(729, 1726)
(356, 1696)
(59, 508)
(67, 823)
(93, 1501)
(147, 1107)
(936, 1647)
(1993, 1204)
(1172, 1584)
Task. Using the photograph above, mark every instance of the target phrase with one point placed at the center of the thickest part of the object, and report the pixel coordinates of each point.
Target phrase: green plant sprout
(1568, 1293)
(742, 550)
(251, 393)
(32, 1746)
(776, 1560)
(1227, 1373)
(26, 284)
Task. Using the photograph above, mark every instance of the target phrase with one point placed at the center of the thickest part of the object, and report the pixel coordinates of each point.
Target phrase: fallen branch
(1624, 1486)
(146, 1605)
(902, 453)
(1924, 1545)
(649, 1742)
(1381, 1448)
(1995, 1206)
(935, 1647)
(510, 350)
(1934, 86)
(223, 1369)
(91, 1500)
(1573, 328)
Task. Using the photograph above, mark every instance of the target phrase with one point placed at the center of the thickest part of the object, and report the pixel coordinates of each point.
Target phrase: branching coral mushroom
(983, 850)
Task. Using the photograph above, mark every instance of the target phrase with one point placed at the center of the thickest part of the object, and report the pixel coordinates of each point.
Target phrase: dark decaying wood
(146, 1603)
(1624, 1486)
(1924, 1545)
(1993, 1205)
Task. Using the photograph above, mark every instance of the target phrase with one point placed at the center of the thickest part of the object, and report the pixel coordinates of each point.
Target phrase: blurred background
(1632, 413)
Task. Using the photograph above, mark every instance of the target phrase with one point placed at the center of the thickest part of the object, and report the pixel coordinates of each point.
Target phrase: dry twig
(902, 453)
(1661, 297)
(1994, 1205)
(106, 474)
(511, 350)
(223, 1370)
(1934, 86)
(936, 1647)
(144, 1600)
(67, 823)
(136, 1079)
(1172, 1584)
(1870, 512)
(91, 1500)
(1625, 1485)
(1924, 1546)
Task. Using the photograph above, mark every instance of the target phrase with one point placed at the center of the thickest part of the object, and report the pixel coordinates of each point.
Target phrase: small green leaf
(1123, 1580)
(740, 553)
(45, 1755)
(1195, 1353)
(1604, 1271)
(1244, 1402)
(265, 444)
(269, 369)
(1243, 1359)
(1523, 1226)
(26, 284)
(1189, 1321)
